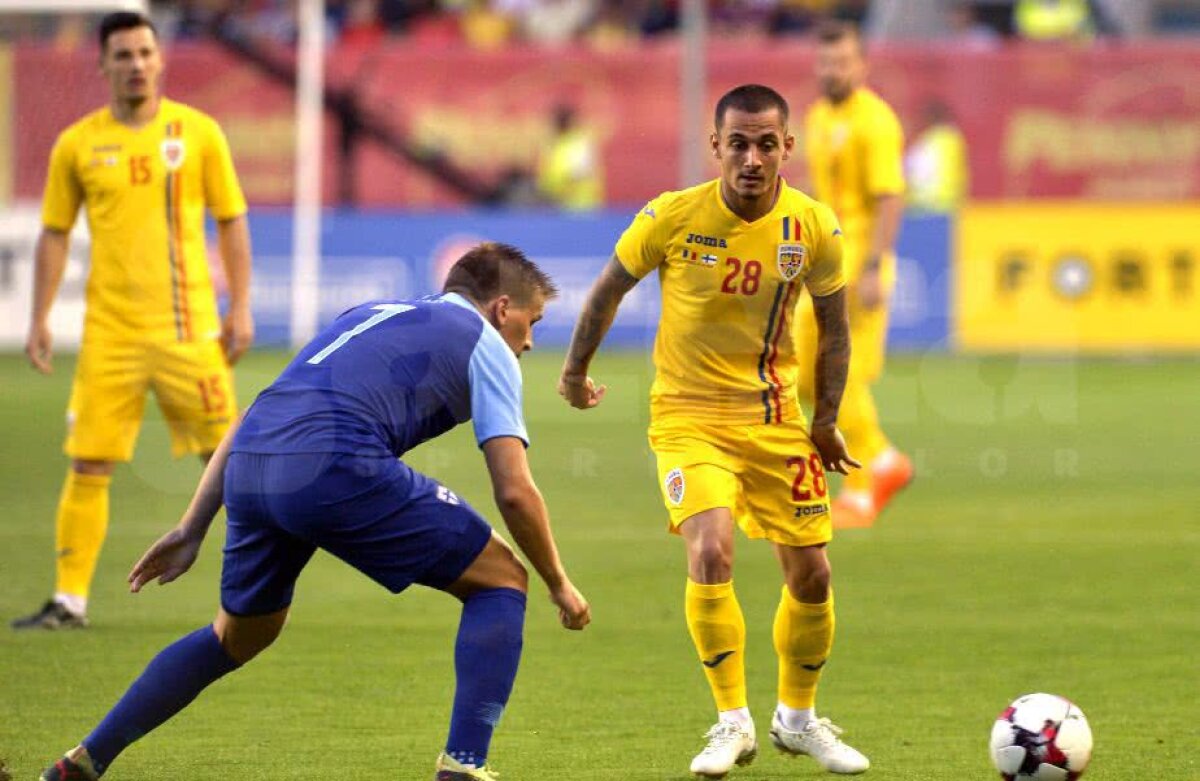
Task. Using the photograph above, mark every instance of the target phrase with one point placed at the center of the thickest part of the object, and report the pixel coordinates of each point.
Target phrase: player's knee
(711, 562)
(811, 585)
(83, 466)
(245, 637)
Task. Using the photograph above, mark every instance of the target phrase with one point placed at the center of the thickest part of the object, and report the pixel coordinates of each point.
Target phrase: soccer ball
(1041, 737)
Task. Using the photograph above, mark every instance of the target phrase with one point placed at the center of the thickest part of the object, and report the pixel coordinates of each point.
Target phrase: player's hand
(832, 448)
(573, 610)
(237, 333)
(870, 289)
(580, 391)
(167, 559)
(38, 348)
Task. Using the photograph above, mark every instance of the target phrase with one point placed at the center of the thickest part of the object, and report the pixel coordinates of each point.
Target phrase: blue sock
(486, 656)
(165, 687)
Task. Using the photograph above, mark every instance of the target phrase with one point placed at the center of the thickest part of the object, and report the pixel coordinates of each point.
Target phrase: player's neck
(135, 113)
(751, 209)
(845, 96)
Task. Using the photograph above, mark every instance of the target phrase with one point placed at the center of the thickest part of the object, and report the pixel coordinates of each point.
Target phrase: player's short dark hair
(122, 20)
(753, 99)
(838, 30)
(493, 269)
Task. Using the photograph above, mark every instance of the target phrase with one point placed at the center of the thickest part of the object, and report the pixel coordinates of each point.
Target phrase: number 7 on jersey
(385, 311)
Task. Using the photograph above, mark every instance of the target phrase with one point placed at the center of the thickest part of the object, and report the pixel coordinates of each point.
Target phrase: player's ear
(789, 143)
(499, 309)
(715, 141)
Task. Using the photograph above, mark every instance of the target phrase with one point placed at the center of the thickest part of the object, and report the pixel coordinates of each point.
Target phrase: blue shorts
(395, 525)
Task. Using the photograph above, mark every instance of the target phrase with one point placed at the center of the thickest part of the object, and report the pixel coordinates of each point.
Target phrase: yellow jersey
(145, 191)
(724, 352)
(855, 154)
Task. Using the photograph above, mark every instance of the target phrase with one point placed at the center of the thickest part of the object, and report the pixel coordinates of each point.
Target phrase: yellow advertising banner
(1056, 276)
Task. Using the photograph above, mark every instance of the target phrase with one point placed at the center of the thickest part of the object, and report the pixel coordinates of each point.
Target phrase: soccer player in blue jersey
(313, 464)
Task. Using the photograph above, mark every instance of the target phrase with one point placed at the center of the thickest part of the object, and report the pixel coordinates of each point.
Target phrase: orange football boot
(891, 472)
(853, 510)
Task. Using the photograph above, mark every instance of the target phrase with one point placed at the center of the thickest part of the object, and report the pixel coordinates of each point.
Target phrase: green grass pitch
(1049, 543)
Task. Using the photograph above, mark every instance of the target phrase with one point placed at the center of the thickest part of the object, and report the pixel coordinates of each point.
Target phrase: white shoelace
(825, 732)
(720, 735)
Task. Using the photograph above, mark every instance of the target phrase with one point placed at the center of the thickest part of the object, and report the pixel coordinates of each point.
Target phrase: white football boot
(819, 739)
(729, 744)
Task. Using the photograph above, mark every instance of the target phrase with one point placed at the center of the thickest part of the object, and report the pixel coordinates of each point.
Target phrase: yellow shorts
(191, 380)
(768, 475)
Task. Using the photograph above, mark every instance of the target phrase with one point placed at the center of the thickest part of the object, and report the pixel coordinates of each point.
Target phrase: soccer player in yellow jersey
(144, 168)
(854, 145)
(732, 445)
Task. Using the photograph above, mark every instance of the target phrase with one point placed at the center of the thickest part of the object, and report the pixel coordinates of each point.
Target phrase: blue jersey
(387, 376)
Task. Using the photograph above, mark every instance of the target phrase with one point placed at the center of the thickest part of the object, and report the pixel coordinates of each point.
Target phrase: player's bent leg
(168, 684)
(487, 653)
(80, 527)
(496, 566)
(803, 637)
(718, 630)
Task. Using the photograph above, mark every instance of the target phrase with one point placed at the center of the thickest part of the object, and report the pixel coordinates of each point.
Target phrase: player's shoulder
(800, 202)
(189, 116)
(873, 104)
(818, 110)
(809, 209)
(88, 125)
(674, 204)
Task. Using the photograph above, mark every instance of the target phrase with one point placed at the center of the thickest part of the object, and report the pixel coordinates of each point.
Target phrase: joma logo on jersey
(811, 509)
(707, 241)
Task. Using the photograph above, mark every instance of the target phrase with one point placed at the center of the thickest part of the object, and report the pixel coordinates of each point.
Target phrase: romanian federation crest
(675, 486)
(790, 258)
(173, 153)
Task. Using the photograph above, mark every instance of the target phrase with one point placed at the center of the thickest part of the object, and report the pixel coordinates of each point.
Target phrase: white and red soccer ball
(1041, 737)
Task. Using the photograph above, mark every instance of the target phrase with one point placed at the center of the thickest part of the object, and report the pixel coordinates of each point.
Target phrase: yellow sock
(718, 629)
(858, 420)
(80, 528)
(803, 636)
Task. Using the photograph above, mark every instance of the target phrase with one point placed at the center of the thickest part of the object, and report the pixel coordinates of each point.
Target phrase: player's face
(132, 63)
(841, 68)
(516, 323)
(751, 148)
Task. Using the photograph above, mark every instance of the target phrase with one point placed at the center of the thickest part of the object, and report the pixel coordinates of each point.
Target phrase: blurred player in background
(726, 426)
(145, 168)
(569, 173)
(314, 465)
(855, 145)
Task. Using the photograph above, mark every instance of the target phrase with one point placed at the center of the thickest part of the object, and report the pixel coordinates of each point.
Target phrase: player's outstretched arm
(176, 551)
(50, 260)
(833, 364)
(594, 321)
(520, 503)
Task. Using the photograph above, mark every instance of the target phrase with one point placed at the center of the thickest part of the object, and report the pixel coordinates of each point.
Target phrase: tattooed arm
(833, 363)
(594, 321)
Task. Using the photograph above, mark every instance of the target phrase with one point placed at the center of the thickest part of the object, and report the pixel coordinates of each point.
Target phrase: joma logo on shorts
(818, 509)
(706, 241)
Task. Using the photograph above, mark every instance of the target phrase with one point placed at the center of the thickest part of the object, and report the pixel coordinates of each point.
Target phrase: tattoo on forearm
(833, 356)
(597, 316)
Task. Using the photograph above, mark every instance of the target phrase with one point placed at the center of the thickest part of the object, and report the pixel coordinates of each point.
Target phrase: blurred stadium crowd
(487, 24)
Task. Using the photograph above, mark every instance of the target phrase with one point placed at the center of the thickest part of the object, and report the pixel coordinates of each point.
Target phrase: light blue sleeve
(495, 377)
